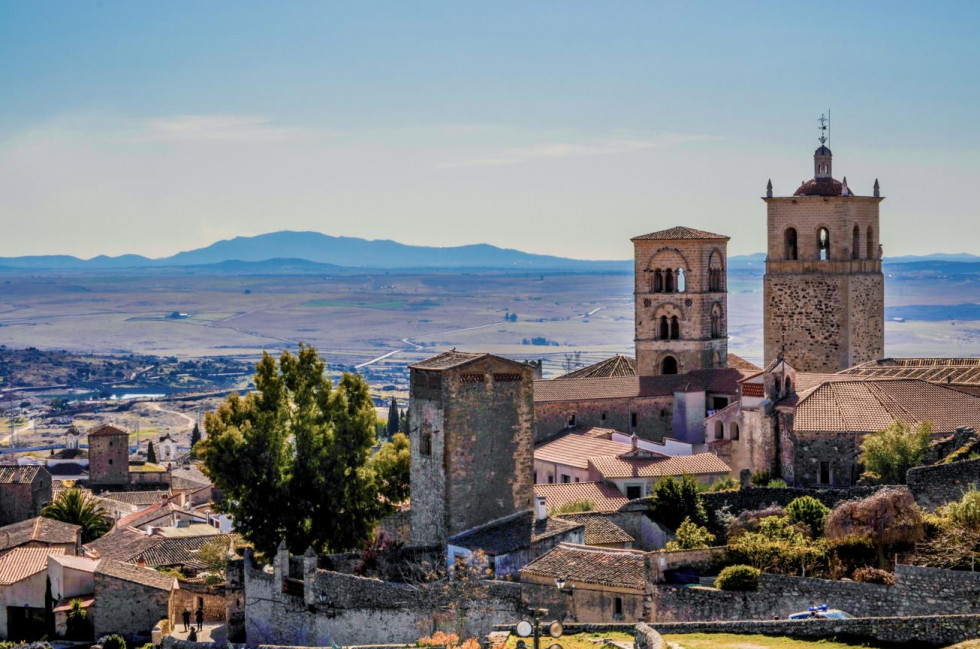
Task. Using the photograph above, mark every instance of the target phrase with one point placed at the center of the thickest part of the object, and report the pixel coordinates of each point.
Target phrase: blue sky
(554, 127)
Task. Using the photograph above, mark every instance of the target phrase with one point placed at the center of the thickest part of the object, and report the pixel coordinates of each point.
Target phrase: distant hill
(289, 251)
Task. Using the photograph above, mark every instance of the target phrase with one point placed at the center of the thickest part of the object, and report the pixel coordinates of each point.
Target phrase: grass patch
(576, 641)
(389, 305)
(737, 641)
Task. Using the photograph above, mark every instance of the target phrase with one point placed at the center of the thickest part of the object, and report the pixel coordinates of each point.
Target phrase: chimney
(141, 562)
(540, 508)
(634, 441)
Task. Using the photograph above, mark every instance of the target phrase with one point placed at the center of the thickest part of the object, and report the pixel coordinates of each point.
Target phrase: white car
(821, 612)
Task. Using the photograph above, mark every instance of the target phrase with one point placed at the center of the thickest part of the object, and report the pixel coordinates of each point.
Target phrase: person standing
(199, 616)
(187, 619)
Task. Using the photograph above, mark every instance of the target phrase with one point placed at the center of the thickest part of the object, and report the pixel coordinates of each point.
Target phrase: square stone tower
(108, 456)
(470, 426)
(823, 289)
(681, 301)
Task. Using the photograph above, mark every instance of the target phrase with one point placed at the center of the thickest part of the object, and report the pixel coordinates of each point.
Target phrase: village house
(600, 530)
(24, 491)
(597, 496)
(130, 599)
(71, 578)
(41, 532)
(23, 583)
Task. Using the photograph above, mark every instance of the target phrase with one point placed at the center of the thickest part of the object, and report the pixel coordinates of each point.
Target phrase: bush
(113, 641)
(673, 501)
(748, 521)
(869, 575)
(575, 506)
(740, 578)
(777, 483)
(810, 512)
(728, 483)
(691, 536)
(891, 452)
(761, 478)
(965, 513)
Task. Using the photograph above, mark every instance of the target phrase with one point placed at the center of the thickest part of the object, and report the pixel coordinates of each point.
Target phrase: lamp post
(525, 629)
(569, 592)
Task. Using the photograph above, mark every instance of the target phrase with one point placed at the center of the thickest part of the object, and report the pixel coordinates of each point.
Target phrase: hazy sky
(554, 127)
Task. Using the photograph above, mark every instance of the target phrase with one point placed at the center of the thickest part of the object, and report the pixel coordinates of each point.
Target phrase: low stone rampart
(761, 497)
(934, 486)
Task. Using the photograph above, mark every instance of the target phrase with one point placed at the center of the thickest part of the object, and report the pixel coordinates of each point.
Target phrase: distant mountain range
(288, 251)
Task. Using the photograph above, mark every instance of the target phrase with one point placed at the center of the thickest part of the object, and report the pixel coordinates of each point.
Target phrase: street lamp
(569, 592)
(525, 628)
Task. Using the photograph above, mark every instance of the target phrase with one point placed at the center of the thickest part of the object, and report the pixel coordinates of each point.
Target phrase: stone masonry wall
(760, 498)
(934, 486)
(653, 416)
(127, 608)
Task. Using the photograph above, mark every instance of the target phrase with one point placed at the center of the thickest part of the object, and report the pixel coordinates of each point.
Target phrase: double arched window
(669, 280)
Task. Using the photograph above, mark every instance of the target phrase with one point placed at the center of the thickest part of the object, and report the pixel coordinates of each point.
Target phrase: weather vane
(824, 127)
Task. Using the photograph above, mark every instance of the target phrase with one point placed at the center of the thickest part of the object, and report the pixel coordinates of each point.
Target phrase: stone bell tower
(681, 301)
(823, 287)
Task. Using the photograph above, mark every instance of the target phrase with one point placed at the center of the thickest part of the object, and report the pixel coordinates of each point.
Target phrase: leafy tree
(775, 545)
(78, 508)
(214, 555)
(291, 458)
(392, 417)
(888, 454)
(673, 501)
(392, 466)
(151, 453)
(691, 536)
(740, 578)
(195, 436)
(403, 422)
(887, 518)
(808, 511)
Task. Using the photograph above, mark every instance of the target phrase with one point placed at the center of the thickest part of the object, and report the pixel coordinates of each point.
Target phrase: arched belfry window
(823, 243)
(658, 281)
(675, 328)
(856, 243)
(669, 365)
(716, 321)
(870, 243)
(664, 328)
(669, 281)
(790, 239)
(681, 282)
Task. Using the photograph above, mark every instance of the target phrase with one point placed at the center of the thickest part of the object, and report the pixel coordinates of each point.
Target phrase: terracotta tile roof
(179, 552)
(806, 381)
(187, 531)
(65, 605)
(107, 430)
(21, 563)
(575, 450)
(599, 529)
(122, 544)
(595, 431)
(188, 478)
(19, 474)
(644, 467)
(821, 187)
(956, 371)
(679, 232)
(153, 513)
(137, 497)
(588, 565)
(618, 365)
(39, 529)
(82, 564)
(604, 497)
(512, 533)
(630, 387)
(447, 360)
(736, 362)
(865, 406)
(135, 574)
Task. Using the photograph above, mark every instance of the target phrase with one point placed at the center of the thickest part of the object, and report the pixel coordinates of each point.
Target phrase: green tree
(888, 454)
(195, 436)
(674, 500)
(691, 536)
(75, 507)
(808, 511)
(151, 453)
(291, 458)
(392, 466)
(214, 555)
(392, 417)
(887, 518)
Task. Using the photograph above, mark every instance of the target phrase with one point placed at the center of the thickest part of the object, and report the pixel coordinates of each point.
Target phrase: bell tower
(681, 301)
(823, 288)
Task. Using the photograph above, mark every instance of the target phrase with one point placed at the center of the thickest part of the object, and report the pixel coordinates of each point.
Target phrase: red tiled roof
(599, 529)
(107, 430)
(575, 450)
(618, 365)
(644, 467)
(135, 574)
(956, 371)
(515, 532)
(19, 474)
(679, 232)
(604, 497)
(21, 563)
(447, 360)
(821, 187)
(630, 387)
(588, 565)
(736, 362)
(868, 405)
(122, 544)
(39, 529)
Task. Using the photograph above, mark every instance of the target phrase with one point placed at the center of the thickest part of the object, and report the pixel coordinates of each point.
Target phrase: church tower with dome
(823, 288)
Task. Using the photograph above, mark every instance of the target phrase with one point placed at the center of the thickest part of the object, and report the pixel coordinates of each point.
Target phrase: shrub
(113, 641)
(691, 536)
(810, 512)
(777, 545)
(891, 452)
(748, 521)
(965, 513)
(575, 506)
(728, 483)
(741, 578)
(777, 483)
(673, 501)
(887, 518)
(869, 575)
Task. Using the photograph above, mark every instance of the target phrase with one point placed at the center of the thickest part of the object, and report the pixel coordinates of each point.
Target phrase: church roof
(447, 360)
(822, 187)
(679, 232)
(630, 387)
(954, 371)
(618, 365)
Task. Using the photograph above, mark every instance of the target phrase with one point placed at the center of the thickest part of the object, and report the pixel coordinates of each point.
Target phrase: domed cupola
(822, 160)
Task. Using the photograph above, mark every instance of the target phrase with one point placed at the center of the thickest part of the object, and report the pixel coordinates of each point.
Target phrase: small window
(856, 243)
(681, 282)
(669, 365)
(669, 281)
(571, 420)
(675, 328)
(633, 419)
(870, 243)
(602, 417)
(551, 479)
(618, 606)
(823, 243)
(734, 430)
(565, 479)
(576, 480)
(110, 460)
(634, 491)
(535, 477)
(719, 430)
(790, 240)
(664, 328)
(824, 473)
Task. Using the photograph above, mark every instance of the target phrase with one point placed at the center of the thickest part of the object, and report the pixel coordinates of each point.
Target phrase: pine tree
(195, 436)
(151, 454)
(392, 418)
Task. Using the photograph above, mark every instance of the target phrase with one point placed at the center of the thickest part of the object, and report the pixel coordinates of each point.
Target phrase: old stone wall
(653, 416)
(759, 498)
(428, 479)
(20, 501)
(108, 460)
(127, 608)
(838, 450)
(191, 596)
(805, 319)
(934, 486)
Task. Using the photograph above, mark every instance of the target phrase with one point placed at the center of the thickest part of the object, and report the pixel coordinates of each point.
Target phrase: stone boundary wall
(761, 497)
(934, 486)
(646, 638)
(931, 630)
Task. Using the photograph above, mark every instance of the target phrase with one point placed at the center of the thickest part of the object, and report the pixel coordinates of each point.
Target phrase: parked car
(822, 612)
